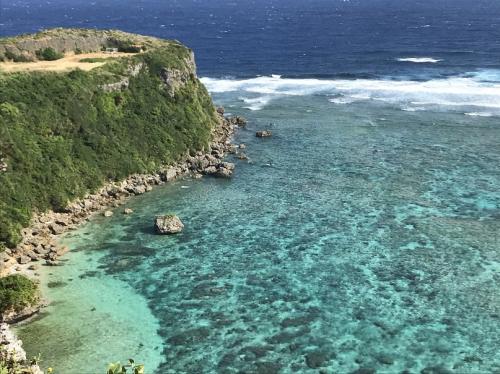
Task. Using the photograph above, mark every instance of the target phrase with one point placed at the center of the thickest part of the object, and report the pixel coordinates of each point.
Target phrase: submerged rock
(108, 213)
(168, 224)
(128, 211)
(316, 359)
(242, 156)
(263, 134)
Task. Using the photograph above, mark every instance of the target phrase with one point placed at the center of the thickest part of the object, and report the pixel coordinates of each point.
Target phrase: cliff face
(63, 135)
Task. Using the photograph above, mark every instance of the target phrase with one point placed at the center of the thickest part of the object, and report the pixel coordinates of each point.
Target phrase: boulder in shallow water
(108, 213)
(168, 224)
(263, 134)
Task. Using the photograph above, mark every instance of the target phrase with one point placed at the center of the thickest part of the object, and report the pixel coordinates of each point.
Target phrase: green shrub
(117, 368)
(16, 293)
(49, 54)
(94, 59)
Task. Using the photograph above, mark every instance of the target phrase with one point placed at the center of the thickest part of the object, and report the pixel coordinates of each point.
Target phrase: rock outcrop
(263, 134)
(168, 224)
(174, 79)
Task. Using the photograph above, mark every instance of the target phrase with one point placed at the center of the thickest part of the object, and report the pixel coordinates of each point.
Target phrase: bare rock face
(168, 224)
(174, 79)
(263, 134)
(237, 121)
(225, 170)
(221, 170)
(23, 259)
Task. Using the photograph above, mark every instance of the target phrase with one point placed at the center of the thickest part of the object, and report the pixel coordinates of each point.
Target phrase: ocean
(363, 236)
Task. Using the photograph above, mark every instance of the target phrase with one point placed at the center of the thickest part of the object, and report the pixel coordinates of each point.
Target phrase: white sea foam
(467, 94)
(479, 114)
(256, 103)
(412, 108)
(420, 60)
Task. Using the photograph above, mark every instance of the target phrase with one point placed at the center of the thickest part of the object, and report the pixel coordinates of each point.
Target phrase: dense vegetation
(62, 135)
(16, 293)
(48, 54)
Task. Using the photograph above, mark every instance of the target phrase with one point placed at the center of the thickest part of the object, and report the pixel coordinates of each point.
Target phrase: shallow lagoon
(358, 236)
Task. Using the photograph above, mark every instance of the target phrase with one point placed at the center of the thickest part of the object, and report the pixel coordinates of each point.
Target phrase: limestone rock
(108, 213)
(221, 170)
(242, 156)
(56, 229)
(23, 259)
(128, 211)
(263, 134)
(137, 190)
(174, 79)
(168, 224)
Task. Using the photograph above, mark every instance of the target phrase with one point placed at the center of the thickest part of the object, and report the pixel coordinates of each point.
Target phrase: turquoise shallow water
(358, 236)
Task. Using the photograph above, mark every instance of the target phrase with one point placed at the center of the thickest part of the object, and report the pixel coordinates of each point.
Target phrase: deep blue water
(299, 38)
(363, 236)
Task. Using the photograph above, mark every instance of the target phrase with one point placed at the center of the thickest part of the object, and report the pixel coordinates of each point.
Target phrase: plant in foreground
(117, 368)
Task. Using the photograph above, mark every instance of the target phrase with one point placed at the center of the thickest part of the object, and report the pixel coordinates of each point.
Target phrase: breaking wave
(419, 60)
(472, 94)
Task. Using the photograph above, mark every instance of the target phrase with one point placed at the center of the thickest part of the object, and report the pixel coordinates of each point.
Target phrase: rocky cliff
(63, 135)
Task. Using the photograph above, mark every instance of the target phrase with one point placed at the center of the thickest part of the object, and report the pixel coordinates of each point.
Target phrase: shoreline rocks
(39, 240)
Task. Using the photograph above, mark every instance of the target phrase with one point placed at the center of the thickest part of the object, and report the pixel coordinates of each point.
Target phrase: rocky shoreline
(39, 244)
(39, 240)
(12, 352)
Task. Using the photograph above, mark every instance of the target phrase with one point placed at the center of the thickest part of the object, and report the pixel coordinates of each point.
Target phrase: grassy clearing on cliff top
(62, 136)
(84, 61)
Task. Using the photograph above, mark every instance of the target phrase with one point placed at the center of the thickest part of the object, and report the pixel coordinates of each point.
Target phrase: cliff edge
(64, 134)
